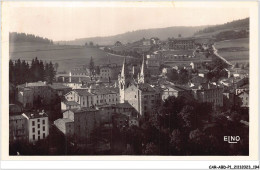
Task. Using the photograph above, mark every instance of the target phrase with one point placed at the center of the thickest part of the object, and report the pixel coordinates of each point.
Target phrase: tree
(176, 140)
(51, 73)
(91, 66)
(183, 76)
(172, 75)
(56, 66)
(91, 44)
(11, 72)
(185, 117)
(151, 149)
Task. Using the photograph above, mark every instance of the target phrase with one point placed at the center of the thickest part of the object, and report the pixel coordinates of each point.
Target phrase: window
(33, 130)
(43, 135)
(39, 137)
(135, 96)
(43, 121)
(38, 120)
(33, 137)
(33, 123)
(39, 132)
(38, 125)
(43, 128)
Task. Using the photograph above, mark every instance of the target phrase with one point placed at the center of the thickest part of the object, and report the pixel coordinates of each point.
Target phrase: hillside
(237, 28)
(129, 37)
(15, 37)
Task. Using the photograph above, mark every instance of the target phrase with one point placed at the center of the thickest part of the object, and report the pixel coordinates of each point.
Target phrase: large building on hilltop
(182, 44)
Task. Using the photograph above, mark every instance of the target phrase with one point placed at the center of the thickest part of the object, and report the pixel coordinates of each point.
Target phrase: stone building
(207, 92)
(37, 125)
(142, 97)
(17, 128)
(85, 121)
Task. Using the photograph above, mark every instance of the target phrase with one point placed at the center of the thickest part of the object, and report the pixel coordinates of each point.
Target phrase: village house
(85, 121)
(207, 92)
(28, 93)
(66, 126)
(109, 71)
(67, 105)
(37, 125)
(17, 124)
(174, 90)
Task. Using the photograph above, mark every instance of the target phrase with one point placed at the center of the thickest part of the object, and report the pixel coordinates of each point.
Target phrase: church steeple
(141, 78)
(123, 81)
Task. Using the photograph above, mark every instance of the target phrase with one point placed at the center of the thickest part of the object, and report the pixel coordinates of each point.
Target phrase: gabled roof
(58, 86)
(85, 109)
(82, 92)
(71, 103)
(145, 87)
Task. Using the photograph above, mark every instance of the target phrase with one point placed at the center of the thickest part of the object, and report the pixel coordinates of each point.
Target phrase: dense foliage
(21, 72)
(22, 37)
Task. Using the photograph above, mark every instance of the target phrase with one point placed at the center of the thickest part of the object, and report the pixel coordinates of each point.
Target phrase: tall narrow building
(142, 76)
(123, 81)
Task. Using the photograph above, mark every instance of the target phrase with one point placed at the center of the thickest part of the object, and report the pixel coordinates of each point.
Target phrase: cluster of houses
(117, 97)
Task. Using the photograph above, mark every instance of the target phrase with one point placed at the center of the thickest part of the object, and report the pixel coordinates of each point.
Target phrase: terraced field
(236, 50)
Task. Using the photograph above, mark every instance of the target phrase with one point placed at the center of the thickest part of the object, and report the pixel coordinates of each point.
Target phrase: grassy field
(236, 50)
(67, 57)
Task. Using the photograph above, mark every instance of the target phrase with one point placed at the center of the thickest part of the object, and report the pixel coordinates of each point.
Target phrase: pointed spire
(123, 71)
(142, 68)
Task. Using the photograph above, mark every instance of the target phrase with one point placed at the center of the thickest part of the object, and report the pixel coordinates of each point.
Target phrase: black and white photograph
(109, 80)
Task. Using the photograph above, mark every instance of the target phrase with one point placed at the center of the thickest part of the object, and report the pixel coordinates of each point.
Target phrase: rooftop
(35, 114)
(16, 117)
(83, 92)
(71, 103)
(85, 109)
(145, 87)
(64, 120)
(58, 86)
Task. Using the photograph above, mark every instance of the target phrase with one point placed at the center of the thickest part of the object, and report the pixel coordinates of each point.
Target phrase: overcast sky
(71, 23)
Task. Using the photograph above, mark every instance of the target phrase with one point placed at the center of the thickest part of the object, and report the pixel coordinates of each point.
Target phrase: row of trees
(22, 37)
(21, 71)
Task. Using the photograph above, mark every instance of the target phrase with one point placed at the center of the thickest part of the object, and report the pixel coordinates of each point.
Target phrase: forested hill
(15, 37)
(132, 36)
(242, 23)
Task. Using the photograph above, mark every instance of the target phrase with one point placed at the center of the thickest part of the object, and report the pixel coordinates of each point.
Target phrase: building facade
(181, 44)
(85, 121)
(38, 126)
(17, 128)
(210, 93)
